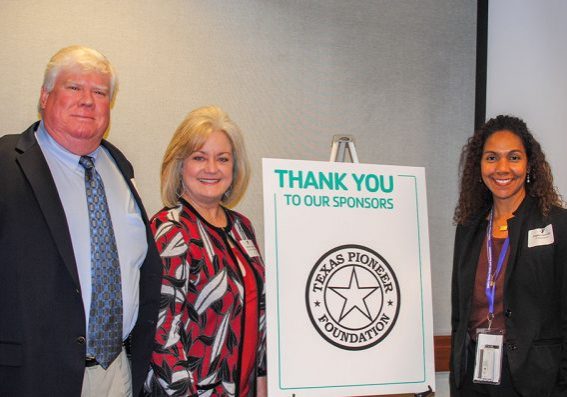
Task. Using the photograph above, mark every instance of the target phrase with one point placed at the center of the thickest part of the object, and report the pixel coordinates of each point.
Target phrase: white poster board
(348, 279)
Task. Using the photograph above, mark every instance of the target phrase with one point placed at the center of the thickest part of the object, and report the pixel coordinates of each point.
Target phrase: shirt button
(81, 340)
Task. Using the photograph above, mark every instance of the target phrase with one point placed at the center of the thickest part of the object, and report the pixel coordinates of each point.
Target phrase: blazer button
(81, 340)
(512, 347)
(508, 313)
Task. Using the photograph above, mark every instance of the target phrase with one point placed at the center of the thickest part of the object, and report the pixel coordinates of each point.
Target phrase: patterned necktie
(104, 340)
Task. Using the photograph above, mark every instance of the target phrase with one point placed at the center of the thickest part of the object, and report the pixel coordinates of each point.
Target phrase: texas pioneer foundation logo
(352, 297)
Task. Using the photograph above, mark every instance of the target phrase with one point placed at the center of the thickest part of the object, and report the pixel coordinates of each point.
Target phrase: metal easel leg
(426, 393)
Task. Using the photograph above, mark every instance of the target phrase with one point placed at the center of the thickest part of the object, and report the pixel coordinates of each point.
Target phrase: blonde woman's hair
(189, 137)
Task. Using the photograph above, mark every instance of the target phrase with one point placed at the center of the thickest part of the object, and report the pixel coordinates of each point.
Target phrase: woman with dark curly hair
(509, 284)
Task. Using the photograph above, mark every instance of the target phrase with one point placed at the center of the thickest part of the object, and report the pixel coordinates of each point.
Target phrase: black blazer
(42, 318)
(535, 301)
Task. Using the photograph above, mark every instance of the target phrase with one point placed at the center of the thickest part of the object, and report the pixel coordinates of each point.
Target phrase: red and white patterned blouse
(211, 333)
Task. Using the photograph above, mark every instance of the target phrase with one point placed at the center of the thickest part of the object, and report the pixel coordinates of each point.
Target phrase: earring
(528, 178)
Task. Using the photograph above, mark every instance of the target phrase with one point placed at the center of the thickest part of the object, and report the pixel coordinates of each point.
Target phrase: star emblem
(354, 297)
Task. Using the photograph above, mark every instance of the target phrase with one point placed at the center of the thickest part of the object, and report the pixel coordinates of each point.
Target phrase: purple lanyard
(490, 289)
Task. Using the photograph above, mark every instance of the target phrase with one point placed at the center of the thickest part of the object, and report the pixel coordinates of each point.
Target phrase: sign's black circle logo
(352, 297)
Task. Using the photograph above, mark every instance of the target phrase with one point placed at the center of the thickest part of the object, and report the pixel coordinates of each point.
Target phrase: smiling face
(504, 166)
(207, 172)
(76, 112)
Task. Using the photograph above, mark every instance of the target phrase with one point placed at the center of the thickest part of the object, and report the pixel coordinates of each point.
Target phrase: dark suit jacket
(42, 318)
(535, 301)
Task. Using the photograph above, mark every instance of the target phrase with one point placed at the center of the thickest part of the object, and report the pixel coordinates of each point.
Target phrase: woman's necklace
(501, 223)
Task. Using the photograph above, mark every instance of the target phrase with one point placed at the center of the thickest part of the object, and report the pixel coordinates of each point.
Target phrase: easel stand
(340, 145)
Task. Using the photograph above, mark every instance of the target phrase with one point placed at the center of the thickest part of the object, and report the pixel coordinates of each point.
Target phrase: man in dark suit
(79, 272)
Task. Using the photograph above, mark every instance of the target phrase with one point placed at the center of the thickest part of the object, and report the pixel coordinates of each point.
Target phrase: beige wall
(397, 74)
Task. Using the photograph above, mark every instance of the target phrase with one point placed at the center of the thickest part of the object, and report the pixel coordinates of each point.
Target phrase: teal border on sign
(278, 305)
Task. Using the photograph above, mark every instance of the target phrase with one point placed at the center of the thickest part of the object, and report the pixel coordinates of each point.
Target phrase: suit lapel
(472, 244)
(515, 232)
(37, 172)
(127, 172)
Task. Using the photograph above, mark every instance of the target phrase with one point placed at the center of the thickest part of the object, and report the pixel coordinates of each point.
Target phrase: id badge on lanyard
(488, 358)
(490, 341)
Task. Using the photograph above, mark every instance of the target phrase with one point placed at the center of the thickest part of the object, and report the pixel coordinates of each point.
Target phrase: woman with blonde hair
(210, 338)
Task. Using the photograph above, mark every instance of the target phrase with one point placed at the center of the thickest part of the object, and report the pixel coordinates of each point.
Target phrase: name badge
(488, 361)
(544, 236)
(250, 248)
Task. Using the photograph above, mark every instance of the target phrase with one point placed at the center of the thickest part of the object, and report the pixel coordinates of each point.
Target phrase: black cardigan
(535, 301)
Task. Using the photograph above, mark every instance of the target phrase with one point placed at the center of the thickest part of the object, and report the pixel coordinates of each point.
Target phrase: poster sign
(348, 279)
